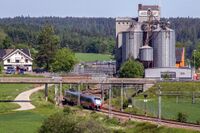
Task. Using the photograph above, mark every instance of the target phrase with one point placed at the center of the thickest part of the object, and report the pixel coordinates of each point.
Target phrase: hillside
(90, 35)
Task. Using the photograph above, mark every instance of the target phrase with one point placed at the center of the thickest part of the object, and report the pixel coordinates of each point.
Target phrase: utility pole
(46, 92)
(159, 102)
(79, 95)
(61, 95)
(102, 92)
(56, 94)
(122, 93)
(193, 98)
(110, 93)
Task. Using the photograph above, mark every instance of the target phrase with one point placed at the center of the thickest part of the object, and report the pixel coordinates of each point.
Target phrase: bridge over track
(75, 80)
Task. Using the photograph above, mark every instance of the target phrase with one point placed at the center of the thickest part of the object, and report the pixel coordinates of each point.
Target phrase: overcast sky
(95, 8)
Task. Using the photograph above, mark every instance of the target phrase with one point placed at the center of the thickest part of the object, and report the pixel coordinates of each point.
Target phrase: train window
(88, 100)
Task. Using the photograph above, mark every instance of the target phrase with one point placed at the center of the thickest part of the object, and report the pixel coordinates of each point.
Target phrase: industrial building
(150, 41)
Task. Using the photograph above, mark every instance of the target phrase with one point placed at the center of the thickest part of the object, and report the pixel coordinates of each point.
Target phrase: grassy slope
(170, 106)
(89, 57)
(9, 92)
(28, 121)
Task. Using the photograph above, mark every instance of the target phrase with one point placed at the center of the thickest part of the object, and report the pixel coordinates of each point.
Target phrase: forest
(87, 35)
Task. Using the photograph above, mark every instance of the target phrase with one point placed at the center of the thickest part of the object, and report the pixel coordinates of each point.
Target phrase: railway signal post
(145, 104)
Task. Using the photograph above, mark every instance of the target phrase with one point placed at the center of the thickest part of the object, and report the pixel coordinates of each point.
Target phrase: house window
(8, 60)
(26, 60)
(17, 61)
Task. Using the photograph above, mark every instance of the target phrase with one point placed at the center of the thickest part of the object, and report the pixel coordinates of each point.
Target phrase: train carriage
(87, 101)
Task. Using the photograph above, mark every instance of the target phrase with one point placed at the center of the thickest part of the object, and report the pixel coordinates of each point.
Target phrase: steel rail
(164, 122)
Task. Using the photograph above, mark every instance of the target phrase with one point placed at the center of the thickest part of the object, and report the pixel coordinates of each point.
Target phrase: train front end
(98, 103)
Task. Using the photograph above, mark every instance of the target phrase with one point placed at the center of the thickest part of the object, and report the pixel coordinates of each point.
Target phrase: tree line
(91, 35)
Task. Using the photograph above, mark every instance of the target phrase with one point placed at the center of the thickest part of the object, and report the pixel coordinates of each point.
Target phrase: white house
(17, 58)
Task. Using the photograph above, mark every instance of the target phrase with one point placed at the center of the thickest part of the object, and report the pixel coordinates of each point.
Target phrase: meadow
(90, 57)
(31, 121)
(171, 104)
(27, 121)
(9, 92)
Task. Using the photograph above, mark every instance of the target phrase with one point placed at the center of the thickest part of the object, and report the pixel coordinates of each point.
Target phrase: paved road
(24, 97)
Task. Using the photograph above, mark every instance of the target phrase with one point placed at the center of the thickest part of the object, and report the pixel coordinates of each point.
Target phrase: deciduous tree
(131, 69)
(64, 60)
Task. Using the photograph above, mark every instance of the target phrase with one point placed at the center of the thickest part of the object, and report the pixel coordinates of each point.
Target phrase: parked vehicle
(10, 70)
(21, 71)
(87, 101)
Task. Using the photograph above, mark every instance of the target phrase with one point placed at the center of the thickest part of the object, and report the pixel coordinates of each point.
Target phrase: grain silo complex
(150, 41)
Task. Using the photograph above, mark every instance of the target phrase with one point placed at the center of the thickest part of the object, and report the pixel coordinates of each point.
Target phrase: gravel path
(23, 99)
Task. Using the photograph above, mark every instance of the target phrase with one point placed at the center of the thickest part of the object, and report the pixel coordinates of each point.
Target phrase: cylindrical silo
(131, 43)
(119, 40)
(163, 43)
(118, 55)
(146, 54)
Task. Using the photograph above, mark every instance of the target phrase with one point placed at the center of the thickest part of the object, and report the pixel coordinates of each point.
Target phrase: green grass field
(28, 121)
(172, 105)
(9, 92)
(170, 108)
(89, 57)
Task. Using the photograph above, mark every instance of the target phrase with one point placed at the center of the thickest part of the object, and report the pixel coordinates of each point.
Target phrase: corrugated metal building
(169, 73)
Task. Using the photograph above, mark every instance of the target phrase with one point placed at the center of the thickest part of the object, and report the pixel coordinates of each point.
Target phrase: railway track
(140, 118)
(162, 122)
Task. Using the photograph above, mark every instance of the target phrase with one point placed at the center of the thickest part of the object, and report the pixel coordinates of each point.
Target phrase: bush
(79, 107)
(125, 104)
(67, 110)
(70, 123)
(198, 122)
(59, 123)
(181, 117)
(90, 126)
(131, 69)
(132, 110)
(113, 121)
